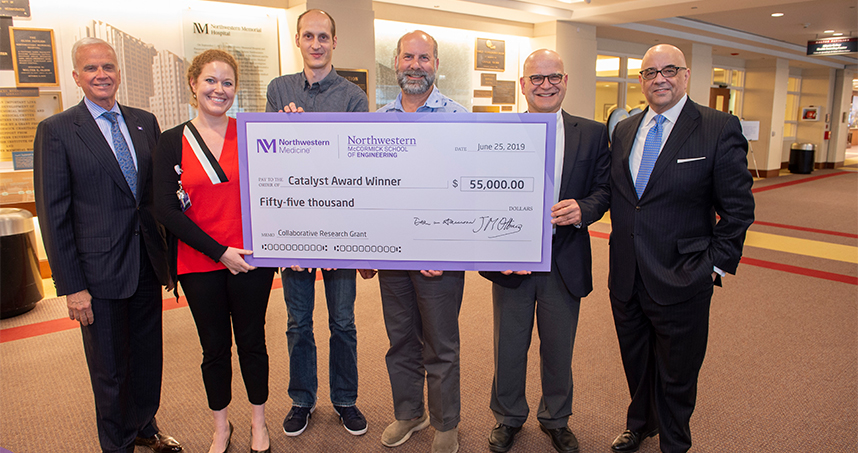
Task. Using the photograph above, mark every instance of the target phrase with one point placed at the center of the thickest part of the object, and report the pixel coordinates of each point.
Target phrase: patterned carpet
(780, 372)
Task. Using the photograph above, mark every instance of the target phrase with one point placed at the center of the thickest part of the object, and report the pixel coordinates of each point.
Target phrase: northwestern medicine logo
(222, 30)
(283, 146)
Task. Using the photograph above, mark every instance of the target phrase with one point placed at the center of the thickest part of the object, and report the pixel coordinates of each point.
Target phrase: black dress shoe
(501, 437)
(159, 443)
(562, 439)
(630, 441)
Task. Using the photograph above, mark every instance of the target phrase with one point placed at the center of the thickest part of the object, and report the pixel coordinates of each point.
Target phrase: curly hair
(205, 58)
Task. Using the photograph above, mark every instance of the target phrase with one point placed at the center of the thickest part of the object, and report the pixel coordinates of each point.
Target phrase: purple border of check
(549, 119)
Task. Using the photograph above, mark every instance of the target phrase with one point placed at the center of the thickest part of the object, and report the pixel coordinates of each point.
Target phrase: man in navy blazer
(674, 167)
(106, 252)
(581, 197)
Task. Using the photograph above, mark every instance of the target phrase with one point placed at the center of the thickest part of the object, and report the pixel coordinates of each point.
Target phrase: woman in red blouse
(196, 184)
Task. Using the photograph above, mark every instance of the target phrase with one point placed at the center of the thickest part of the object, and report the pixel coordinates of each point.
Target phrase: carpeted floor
(781, 372)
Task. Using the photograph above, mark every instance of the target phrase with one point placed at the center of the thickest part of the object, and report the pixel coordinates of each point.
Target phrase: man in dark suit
(93, 183)
(674, 167)
(581, 197)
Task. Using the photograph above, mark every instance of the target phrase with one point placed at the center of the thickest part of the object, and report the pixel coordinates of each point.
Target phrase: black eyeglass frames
(553, 79)
(667, 72)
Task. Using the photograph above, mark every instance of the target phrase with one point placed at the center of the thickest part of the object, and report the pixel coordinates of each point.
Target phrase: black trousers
(542, 296)
(124, 354)
(662, 347)
(218, 301)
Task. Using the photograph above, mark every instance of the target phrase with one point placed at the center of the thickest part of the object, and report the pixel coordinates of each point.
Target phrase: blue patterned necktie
(650, 154)
(123, 154)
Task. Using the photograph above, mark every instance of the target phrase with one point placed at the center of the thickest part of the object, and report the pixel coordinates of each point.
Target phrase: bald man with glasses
(581, 196)
(674, 167)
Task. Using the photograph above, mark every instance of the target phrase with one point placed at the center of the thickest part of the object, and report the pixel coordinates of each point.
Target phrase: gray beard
(415, 87)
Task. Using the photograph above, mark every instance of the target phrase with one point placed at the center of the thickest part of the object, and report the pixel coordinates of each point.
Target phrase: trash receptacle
(20, 279)
(801, 158)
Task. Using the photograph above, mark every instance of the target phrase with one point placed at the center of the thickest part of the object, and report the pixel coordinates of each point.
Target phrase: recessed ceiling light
(837, 34)
(828, 31)
(777, 14)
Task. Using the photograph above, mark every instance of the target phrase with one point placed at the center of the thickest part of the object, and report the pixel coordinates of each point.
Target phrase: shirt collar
(434, 101)
(96, 110)
(325, 83)
(672, 114)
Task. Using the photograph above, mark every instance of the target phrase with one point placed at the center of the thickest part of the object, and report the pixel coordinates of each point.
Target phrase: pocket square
(690, 159)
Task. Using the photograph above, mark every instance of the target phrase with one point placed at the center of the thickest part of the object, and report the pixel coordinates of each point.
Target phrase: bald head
(545, 67)
(662, 92)
(319, 15)
(542, 56)
(665, 51)
(418, 36)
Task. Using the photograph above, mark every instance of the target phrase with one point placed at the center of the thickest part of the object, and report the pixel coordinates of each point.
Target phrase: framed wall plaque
(34, 57)
(490, 55)
(504, 92)
(488, 79)
(15, 8)
(355, 76)
(5, 45)
(21, 110)
(482, 93)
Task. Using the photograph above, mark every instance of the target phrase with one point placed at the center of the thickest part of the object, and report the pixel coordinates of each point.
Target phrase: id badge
(184, 199)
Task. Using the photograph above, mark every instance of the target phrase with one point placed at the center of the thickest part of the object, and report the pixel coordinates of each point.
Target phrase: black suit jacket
(670, 234)
(90, 221)
(585, 178)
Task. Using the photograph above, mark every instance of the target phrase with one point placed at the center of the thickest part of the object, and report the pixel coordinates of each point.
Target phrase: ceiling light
(837, 34)
(828, 31)
(777, 14)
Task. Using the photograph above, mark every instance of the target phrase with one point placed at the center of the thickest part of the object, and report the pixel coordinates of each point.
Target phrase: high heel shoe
(228, 439)
(267, 450)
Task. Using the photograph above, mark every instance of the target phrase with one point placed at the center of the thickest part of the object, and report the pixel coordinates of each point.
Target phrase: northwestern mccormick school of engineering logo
(284, 146)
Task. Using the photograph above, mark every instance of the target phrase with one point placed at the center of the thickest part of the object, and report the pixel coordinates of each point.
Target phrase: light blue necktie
(123, 154)
(650, 154)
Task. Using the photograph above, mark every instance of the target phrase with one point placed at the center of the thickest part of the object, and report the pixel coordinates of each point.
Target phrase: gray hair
(88, 41)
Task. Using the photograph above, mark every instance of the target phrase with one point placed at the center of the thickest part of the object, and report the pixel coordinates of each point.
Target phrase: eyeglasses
(553, 79)
(667, 72)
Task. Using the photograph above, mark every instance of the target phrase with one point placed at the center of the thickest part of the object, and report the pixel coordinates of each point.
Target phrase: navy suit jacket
(585, 176)
(670, 234)
(90, 221)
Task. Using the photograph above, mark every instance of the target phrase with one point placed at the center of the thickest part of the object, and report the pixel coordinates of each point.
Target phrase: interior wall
(577, 46)
(841, 106)
(816, 90)
(765, 101)
(700, 64)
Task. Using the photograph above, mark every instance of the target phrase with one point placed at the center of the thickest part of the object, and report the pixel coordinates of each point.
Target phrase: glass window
(607, 66)
(791, 113)
(736, 102)
(789, 131)
(794, 84)
(634, 68)
(719, 76)
(634, 97)
(606, 99)
(737, 78)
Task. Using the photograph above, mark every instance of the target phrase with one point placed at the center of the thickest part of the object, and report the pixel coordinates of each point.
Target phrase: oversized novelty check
(412, 191)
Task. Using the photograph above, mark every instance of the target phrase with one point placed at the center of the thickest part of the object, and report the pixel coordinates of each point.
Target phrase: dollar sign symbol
(455, 183)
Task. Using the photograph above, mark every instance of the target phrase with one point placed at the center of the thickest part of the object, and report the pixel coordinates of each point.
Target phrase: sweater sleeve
(167, 156)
